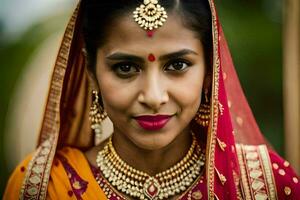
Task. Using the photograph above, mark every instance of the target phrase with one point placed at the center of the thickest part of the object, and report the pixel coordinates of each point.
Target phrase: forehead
(126, 35)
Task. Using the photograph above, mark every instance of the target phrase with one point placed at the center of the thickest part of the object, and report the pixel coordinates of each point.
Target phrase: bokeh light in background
(17, 16)
(252, 28)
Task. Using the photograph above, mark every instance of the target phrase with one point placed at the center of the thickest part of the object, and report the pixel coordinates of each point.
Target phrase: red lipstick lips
(153, 122)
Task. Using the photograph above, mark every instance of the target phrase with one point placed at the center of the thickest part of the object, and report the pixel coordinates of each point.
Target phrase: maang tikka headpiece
(150, 15)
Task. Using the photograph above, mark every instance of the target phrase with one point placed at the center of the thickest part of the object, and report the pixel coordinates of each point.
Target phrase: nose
(153, 93)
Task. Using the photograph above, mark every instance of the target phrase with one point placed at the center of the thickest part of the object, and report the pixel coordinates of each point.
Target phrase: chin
(154, 141)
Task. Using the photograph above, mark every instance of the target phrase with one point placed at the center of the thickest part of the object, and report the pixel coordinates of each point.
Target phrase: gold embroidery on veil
(37, 176)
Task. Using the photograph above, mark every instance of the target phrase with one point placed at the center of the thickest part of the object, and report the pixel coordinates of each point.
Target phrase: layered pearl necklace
(138, 184)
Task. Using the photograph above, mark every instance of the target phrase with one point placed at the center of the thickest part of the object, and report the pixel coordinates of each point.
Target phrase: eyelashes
(125, 69)
(129, 69)
(178, 65)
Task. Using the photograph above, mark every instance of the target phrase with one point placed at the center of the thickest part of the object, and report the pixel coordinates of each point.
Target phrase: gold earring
(97, 115)
(203, 114)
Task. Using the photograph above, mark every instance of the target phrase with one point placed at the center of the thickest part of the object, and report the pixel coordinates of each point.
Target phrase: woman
(162, 72)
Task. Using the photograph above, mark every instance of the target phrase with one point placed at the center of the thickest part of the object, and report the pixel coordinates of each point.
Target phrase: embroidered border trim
(35, 183)
(32, 187)
(256, 172)
(212, 136)
(244, 183)
(268, 171)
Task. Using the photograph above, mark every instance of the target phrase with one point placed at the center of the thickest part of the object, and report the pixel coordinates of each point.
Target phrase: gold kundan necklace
(141, 185)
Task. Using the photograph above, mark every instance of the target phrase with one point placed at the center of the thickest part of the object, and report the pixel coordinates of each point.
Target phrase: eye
(126, 69)
(177, 65)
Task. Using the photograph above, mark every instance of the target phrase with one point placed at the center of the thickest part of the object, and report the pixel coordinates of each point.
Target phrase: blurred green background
(253, 30)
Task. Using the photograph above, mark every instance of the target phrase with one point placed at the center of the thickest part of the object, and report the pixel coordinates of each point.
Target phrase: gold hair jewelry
(150, 15)
(96, 115)
(203, 115)
(141, 185)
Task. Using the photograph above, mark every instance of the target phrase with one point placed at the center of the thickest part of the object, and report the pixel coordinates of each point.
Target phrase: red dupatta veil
(66, 115)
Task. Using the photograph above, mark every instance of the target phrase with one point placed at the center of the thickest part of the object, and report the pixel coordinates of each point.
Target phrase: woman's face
(151, 86)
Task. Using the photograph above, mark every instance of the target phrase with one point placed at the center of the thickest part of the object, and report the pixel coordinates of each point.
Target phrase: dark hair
(99, 15)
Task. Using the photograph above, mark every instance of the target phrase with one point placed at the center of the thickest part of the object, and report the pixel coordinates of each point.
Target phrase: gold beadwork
(203, 115)
(150, 15)
(281, 172)
(240, 121)
(96, 115)
(76, 185)
(221, 177)
(287, 191)
(260, 196)
(222, 145)
(295, 179)
(286, 164)
(221, 108)
(141, 185)
(275, 166)
(197, 195)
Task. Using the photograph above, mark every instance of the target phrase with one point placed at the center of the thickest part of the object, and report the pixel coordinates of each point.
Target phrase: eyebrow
(124, 56)
(177, 54)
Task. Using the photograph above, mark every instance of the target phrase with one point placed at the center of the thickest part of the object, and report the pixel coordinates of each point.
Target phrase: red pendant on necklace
(150, 33)
(151, 188)
(151, 57)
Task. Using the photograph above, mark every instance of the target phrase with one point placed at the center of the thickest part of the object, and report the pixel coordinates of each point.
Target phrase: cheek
(187, 91)
(116, 95)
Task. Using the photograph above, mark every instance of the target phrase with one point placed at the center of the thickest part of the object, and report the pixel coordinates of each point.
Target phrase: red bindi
(151, 57)
(150, 33)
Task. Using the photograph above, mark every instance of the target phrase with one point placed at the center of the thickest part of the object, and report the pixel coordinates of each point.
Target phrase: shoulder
(67, 174)
(265, 174)
(59, 178)
(69, 152)
(72, 156)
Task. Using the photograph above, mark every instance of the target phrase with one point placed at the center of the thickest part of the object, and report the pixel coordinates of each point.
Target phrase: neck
(152, 161)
